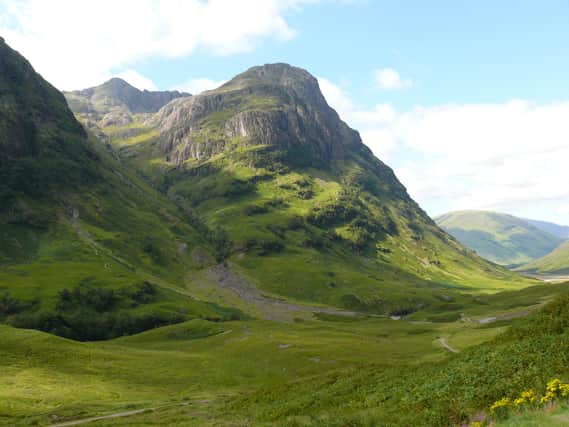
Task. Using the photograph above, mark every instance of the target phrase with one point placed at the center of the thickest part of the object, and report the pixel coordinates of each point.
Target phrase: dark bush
(10, 305)
(251, 210)
(296, 222)
(270, 246)
(221, 243)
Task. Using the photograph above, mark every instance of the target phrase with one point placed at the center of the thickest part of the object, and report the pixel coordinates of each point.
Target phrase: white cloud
(336, 97)
(389, 79)
(369, 123)
(75, 44)
(137, 80)
(509, 156)
(195, 86)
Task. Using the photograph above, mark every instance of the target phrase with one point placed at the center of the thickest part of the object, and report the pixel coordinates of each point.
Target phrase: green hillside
(556, 262)
(500, 238)
(88, 251)
(240, 258)
(310, 213)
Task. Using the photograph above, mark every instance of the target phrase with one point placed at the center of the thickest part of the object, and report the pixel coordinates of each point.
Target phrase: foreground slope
(311, 214)
(500, 238)
(201, 373)
(85, 245)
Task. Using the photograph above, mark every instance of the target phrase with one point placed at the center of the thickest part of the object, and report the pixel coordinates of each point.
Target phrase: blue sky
(467, 101)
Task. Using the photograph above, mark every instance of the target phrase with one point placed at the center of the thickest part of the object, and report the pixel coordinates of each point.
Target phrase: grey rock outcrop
(117, 95)
(275, 105)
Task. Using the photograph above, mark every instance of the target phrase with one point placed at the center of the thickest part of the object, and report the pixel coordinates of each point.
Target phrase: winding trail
(102, 417)
(444, 343)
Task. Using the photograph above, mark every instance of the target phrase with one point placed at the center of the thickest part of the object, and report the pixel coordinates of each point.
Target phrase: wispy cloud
(137, 80)
(390, 79)
(75, 44)
(508, 156)
(195, 86)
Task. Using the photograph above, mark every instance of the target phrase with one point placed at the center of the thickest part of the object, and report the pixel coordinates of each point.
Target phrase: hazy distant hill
(560, 231)
(556, 262)
(501, 238)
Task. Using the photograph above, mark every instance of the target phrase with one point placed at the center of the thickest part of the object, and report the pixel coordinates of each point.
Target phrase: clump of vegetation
(265, 246)
(251, 210)
(221, 243)
(90, 312)
(555, 391)
(10, 305)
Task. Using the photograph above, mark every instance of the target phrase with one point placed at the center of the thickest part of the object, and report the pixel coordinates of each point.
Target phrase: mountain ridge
(117, 92)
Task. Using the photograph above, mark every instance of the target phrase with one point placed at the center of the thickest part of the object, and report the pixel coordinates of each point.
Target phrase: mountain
(500, 238)
(555, 262)
(116, 102)
(309, 213)
(88, 250)
(245, 246)
(257, 186)
(560, 231)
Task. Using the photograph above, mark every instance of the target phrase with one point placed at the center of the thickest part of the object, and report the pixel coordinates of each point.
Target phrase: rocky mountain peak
(274, 105)
(118, 83)
(118, 96)
(294, 79)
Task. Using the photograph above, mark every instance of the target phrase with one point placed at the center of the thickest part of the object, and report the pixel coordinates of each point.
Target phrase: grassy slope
(255, 372)
(70, 213)
(556, 262)
(501, 238)
(179, 362)
(114, 232)
(445, 393)
(557, 416)
(265, 211)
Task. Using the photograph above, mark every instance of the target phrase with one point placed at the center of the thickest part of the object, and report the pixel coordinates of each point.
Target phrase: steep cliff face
(275, 105)
(34, 117)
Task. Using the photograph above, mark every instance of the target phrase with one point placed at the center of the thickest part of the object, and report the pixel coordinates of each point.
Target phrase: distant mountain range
(502, 238)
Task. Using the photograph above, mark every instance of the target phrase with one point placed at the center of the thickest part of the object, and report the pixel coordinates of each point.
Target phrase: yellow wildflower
(502, 403)
(549, 396)
(528, 396)
(564, 390)
(553, 385)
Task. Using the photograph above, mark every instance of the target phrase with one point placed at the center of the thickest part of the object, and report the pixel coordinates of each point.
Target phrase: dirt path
(102, 417)
(444, 343)
(508, 316)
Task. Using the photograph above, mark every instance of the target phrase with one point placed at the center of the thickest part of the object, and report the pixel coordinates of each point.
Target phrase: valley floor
(190, 373)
